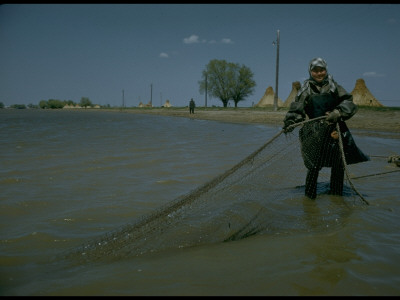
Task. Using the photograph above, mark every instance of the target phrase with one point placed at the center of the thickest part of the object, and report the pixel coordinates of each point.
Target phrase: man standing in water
(321, 96)
(192, 105)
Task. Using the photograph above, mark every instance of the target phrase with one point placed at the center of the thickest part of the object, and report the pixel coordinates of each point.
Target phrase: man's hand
(333, 116)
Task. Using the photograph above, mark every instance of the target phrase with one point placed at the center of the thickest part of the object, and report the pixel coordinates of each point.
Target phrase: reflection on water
(331, 251)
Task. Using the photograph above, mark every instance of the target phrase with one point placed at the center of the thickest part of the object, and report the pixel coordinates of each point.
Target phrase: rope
(345, 164)
(186, 199)
(306, 121)
(341, 150)
(376, 174)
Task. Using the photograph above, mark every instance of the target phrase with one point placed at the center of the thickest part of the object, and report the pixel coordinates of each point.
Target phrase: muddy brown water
(69, 177)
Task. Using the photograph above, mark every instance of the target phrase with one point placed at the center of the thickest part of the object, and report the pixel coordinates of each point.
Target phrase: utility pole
(151, 95)
(206, 90)
(123, 99)
(277, 72)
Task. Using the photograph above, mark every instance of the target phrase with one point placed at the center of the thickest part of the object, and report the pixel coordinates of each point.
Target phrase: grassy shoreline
(374, 119)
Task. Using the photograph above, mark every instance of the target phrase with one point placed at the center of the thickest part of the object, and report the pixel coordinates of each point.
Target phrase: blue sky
(70, 51)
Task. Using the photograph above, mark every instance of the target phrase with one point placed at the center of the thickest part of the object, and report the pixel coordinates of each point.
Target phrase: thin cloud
(193, 39)
(226, 41)
(164, 55)
(372, 74)
(392, 21)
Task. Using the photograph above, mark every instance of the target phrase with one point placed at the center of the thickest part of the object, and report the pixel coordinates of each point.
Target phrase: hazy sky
(66, 52)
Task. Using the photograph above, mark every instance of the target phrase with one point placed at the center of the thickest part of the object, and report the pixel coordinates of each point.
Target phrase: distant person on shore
(192, 105)
(320, 96)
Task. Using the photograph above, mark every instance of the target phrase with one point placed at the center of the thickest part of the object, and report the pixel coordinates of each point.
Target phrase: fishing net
(253, 197)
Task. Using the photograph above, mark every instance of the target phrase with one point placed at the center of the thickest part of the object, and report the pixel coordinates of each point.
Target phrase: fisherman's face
(318, 74)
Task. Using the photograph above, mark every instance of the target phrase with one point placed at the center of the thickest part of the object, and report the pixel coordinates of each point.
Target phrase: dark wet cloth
(318, 148)
(334, 95)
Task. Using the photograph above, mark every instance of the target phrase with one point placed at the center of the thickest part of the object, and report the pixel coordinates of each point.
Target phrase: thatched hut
(167, 104)
(295, 88)
(362, 96)
(145, 105)
(268, 99)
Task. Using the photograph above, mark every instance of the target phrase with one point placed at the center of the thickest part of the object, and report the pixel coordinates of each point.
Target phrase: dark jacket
(318, 148)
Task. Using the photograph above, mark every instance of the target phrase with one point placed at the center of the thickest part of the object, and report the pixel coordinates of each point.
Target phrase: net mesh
(259, 195)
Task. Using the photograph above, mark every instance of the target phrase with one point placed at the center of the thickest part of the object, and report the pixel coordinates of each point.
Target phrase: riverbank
(368, 121)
